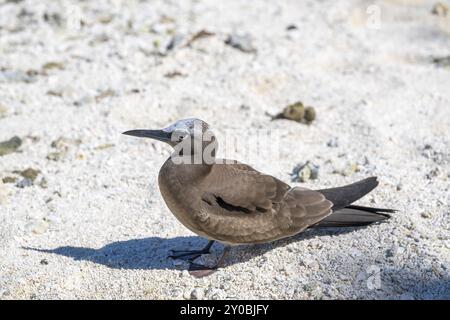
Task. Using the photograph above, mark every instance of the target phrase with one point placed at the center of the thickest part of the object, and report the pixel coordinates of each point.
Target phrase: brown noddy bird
(232, 203)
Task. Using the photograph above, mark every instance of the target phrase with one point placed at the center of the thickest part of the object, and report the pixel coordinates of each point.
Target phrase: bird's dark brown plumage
(233, 203)
(241, 205)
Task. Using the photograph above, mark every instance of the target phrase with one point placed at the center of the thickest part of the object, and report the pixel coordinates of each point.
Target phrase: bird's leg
(191, 255)
(199, 271)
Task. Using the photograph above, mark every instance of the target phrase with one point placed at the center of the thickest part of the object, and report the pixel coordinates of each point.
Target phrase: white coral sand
(97, 226)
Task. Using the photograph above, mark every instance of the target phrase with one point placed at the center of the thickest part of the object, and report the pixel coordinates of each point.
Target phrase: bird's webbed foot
(199, 271)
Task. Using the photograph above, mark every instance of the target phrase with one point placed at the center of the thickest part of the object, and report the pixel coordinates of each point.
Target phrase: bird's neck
(189, 171)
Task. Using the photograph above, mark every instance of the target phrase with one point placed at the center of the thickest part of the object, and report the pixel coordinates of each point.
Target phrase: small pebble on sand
(37, 226)
(10, 145)
(197, 294)
(243, 43)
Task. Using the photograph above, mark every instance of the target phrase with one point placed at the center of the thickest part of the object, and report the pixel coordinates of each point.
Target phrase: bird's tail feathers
(354, 216)
(342, 197)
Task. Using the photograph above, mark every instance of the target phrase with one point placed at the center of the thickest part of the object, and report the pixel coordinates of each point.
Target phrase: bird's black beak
(153, 134)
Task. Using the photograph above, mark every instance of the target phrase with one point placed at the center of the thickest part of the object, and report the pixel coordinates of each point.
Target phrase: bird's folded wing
(307, 206)
(241, 186)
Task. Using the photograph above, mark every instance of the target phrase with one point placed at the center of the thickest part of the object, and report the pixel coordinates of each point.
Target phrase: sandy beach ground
(87, 221)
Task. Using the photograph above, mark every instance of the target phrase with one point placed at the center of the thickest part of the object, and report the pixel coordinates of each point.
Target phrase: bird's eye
(179, 135)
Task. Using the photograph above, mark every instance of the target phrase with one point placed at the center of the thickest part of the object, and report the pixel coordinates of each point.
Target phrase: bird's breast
(181, 197)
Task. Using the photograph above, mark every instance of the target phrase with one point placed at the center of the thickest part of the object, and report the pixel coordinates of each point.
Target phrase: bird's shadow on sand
(152, 253)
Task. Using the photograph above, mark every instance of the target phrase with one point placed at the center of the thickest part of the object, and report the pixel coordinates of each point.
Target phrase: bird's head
(188, 137)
